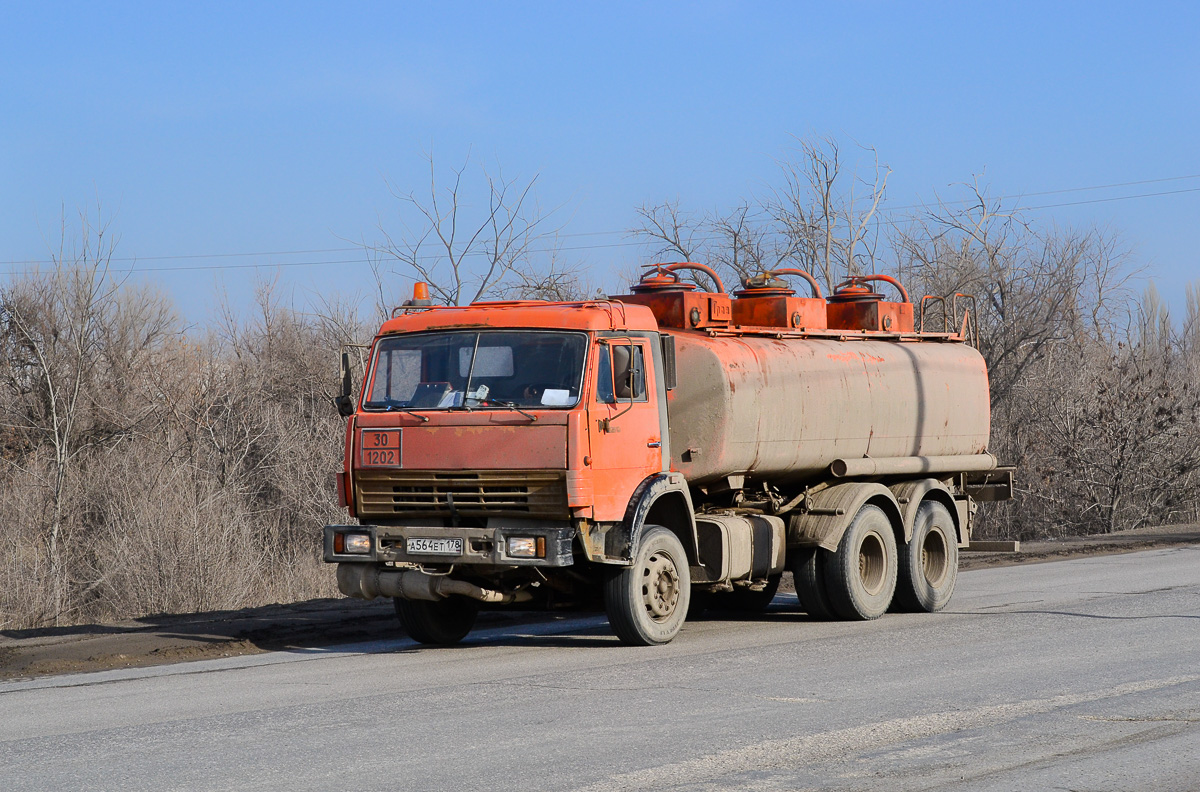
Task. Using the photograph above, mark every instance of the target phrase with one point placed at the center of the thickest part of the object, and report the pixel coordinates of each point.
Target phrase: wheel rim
(660, 586)
(872, 563)
(935, 557)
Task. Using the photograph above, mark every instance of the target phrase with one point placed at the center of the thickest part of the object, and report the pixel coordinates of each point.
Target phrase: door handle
(654, 444)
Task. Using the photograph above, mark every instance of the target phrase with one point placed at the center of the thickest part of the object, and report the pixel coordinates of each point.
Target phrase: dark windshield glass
(438, 371)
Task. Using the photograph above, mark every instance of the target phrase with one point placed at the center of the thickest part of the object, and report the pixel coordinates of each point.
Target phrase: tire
(808, 570)
(748, 601)
(860, 576)
(440, 623)
(647, 602)
(929, 562)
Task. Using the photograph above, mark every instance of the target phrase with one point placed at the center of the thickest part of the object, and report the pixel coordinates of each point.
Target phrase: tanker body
(662, 450)
(784, 409)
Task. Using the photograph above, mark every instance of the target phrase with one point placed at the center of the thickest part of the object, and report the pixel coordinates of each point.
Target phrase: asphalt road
(1080, 675)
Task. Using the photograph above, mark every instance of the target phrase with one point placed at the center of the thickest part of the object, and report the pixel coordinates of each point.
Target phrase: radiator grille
(523, 493)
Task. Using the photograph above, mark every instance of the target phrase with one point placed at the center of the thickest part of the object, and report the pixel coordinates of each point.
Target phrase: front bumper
(481, 546)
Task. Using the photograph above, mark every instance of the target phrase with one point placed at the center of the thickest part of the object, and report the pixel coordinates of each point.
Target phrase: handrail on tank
(854, 279)
(945, 319)
(970, 324)
(816, 287)
(707, 270)
(967, 329)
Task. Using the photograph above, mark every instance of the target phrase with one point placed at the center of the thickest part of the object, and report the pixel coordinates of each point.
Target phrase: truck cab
(496, 445)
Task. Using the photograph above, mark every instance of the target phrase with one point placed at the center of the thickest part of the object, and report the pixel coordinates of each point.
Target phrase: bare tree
(746, 246)
(50, 340)
(465, 252)
(824, 218)
(147, 471)
(1116, 440)
(1035, 287)
(71, 340)
(829, 217)
(674, 235)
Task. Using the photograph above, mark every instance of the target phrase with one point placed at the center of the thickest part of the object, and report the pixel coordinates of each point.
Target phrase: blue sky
(245, 128)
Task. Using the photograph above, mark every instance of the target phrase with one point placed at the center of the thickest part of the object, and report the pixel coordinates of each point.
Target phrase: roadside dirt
(157, 640)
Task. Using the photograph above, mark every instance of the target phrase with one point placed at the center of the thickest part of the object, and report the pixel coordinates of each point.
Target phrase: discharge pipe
(907, 466)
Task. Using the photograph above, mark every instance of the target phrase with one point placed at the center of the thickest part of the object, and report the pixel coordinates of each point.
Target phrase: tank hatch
(676, 303)
(855, 306)
(766, 301)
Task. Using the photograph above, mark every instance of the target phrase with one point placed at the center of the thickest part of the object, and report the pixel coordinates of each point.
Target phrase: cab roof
(590, 315)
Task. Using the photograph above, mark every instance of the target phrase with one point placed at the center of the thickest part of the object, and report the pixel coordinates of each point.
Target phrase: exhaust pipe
(368, 581)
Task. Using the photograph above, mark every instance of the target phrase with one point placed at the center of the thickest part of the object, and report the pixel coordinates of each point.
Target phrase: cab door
(623, 424)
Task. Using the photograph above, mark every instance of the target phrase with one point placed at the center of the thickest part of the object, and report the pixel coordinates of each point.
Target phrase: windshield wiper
(513, 407)
(392, 404)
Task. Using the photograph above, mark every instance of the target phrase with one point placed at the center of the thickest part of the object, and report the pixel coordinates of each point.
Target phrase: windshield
(477, 370)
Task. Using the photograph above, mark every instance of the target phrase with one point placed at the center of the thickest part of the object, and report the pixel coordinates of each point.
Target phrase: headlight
(522, 547)
(526, 546)
(352, 543)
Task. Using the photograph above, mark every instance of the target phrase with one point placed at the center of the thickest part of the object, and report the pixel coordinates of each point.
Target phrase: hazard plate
(418, 545)
(380, 448)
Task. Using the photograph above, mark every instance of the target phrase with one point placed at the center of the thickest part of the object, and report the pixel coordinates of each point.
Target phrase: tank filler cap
(854, 292)
(659, 278)
(855, 289)
(764, 285)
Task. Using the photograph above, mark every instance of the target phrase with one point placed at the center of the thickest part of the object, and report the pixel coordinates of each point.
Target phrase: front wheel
(647, 602)
(441, 623)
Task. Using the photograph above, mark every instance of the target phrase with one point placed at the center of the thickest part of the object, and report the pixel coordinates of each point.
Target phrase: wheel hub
(935, 558)
(872, 563)
(660, 586)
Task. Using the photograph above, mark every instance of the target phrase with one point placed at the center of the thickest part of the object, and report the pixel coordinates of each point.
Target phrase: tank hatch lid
(856, 306)
(763, 286)
(855, 293)
(680, 304)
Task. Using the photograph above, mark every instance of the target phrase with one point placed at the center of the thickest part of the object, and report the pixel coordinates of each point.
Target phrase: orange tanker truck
(653, 451)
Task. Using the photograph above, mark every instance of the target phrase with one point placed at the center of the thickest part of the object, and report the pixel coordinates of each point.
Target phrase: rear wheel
(808, 570)
(861, 574)
(441, 623)
(929, 562)
(647, 602)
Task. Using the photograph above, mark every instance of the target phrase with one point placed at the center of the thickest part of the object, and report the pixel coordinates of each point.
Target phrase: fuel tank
(786, 408)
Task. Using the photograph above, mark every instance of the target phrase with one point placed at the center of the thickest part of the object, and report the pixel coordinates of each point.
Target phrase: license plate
(423, 545)
(380, 448)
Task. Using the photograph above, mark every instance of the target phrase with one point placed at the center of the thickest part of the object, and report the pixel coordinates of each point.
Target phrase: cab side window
(622, 374)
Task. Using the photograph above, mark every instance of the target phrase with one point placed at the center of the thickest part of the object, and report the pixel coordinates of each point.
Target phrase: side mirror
(345, 404)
